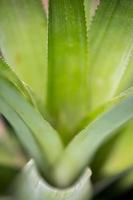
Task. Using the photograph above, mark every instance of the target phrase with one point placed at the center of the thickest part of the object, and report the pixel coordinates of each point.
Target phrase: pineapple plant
(66, 99)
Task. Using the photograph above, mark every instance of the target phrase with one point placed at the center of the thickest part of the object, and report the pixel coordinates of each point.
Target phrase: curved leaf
(23, 133)
(92, 115)
(30, 126)
(86, 143)
(30, 186)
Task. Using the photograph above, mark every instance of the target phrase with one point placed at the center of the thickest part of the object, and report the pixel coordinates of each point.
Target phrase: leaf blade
(9, 74)
(36, 123)
(92, 137)
(109, 53)
(23, 41)
(67, 65)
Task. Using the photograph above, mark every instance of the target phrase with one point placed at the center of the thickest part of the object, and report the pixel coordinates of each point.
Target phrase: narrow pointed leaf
(67, 65)
(111, 47)
(23, 117)
(101, 109)
(30, 186)
(23, 133)
(23, 40)
(86, 143)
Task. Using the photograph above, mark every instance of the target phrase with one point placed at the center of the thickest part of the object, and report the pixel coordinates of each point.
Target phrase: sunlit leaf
(23, 40)
(92, 115)
(86, 143)
(111, 47)
(68, 98)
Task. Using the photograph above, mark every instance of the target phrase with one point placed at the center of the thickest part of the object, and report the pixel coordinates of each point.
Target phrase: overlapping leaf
(9, 74)
(68, 75)
(39, 138)
(23, 41)
(68, 99)
(101, 109)
(111, 48)
(31, 186)
(127, 79)
(85, 144)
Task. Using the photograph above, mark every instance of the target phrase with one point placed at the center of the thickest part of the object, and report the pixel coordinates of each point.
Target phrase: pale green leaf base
(30, 186)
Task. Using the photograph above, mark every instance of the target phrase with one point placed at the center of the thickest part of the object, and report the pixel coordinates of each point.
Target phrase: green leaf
(127, 79)
(88, 12)
(123, 146)
(92, 115)
(86, 143)
(23, 41)
(30, 126)
(68, 98)
(115, 157)
(111, 45)
(30, 186)
(9, 74)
